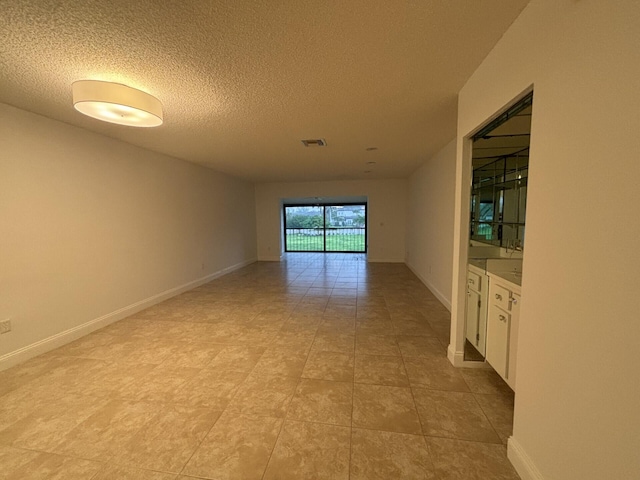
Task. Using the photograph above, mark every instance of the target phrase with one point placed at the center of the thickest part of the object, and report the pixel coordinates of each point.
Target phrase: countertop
(511, 277)
(509, 270)
(479, 263)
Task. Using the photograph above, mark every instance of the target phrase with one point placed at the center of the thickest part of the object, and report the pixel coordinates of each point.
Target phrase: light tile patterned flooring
(319, 367)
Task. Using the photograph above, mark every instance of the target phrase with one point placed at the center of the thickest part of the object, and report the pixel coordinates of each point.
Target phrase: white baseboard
(444, 300)
(383, 260)
(457, 360)
(521, 461)
(59, 339)
(270, 258)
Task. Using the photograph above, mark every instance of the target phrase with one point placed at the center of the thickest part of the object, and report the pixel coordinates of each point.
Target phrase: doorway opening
(495, 251)
(325, 227)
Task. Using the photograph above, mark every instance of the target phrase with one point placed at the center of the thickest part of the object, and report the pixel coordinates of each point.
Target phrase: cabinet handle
(502, 318)
(514, 301)
(472, 281)
(498, 296)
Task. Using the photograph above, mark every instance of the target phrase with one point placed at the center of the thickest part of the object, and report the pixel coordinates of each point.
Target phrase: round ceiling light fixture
(116, 103)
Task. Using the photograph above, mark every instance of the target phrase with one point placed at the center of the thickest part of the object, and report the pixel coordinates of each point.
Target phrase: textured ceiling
(242, 82)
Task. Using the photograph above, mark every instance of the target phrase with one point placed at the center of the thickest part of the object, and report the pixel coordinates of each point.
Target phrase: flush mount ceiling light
(116, 103)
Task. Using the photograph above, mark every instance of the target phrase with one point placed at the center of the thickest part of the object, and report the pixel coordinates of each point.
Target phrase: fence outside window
(325, 228)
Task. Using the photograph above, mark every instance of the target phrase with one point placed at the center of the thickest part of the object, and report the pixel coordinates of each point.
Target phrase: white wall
(386, 213)
(90, 225)
(578, 391)
(430, 222)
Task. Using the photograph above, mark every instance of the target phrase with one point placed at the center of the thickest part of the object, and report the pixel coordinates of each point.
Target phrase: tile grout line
(284, 418)
(353, 391)
(486, 416)
(415, 404)
(221, 413)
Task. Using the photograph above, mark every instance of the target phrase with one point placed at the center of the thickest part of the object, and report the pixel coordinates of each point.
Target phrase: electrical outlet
(5, 326)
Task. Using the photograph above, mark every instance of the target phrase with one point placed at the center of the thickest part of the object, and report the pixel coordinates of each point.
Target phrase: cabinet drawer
(474, 281)
(501, 297)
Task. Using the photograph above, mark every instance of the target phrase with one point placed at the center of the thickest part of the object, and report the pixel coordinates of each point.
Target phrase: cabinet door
(498, 340)
(513, 339)
(482, 320)
(473, 316)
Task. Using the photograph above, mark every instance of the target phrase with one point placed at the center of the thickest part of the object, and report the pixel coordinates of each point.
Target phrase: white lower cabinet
(477, 291)
(502, 328)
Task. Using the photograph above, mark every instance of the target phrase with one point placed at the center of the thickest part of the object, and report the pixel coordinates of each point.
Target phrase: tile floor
(319, 367)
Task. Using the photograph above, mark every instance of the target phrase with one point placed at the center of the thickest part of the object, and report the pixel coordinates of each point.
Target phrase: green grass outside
(335, 243)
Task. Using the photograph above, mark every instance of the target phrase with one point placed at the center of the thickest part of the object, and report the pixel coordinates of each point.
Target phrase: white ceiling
(242, 82)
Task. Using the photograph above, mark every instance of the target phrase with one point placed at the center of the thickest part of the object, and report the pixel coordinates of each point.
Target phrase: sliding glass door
(325, 228)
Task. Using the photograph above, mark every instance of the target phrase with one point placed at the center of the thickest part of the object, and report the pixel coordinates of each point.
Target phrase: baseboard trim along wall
(270, 258)
(383, 260)
(446, 302)
(456, 358)
(59, 339)
(521, 461)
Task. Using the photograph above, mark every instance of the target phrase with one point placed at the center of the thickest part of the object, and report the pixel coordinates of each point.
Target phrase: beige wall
(385, 215)
(577, 397)
(91, 225)
(430, 222)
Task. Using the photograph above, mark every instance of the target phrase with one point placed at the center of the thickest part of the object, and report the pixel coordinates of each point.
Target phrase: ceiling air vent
(315, 142)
